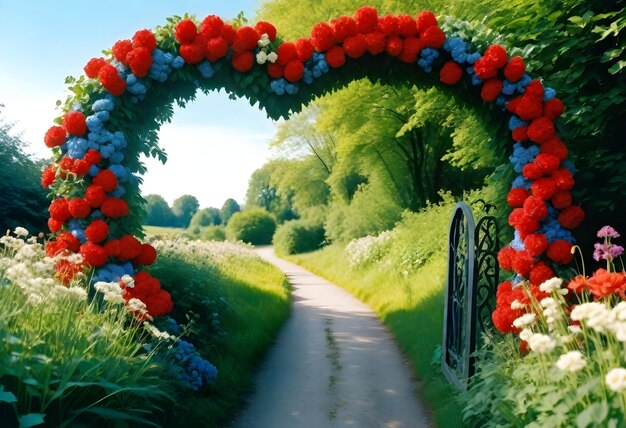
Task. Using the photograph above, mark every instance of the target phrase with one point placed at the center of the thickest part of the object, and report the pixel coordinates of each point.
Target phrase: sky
(213, 145)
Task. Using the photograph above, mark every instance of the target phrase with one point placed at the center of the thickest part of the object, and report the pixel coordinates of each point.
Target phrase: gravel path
(333, 365)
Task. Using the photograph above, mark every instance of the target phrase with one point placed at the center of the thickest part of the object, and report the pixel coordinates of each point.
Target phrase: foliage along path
(333, 364)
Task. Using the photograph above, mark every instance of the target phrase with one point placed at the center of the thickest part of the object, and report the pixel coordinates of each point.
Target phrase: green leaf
(593, 415)
(31, 420)
(7, 396)
(116, 415)
(617, 67)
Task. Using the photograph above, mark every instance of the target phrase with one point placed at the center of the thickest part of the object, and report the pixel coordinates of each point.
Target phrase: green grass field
(164, 231)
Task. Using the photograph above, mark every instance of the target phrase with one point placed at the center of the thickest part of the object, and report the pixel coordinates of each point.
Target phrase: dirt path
(333, 365)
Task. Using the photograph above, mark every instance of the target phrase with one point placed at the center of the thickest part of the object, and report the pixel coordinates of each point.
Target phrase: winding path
(333, 365)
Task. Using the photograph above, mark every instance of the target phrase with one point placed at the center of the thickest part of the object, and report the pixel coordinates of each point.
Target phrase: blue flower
(93, 123)
(517, 243)
(475, 79)
(102, 105)
(291, 88)
(548, 94)
(205, 69)
(472, 58)
(93, 170)
(278, 86)
(516, 122)
(77, 147)
(118, 192)
(178, 62)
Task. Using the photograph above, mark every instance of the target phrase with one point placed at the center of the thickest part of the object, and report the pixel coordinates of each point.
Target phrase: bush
(298, 236)
(255, 226)
(213, 233)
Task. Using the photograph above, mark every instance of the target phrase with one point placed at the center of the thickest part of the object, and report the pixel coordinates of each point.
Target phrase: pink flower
(608, 232)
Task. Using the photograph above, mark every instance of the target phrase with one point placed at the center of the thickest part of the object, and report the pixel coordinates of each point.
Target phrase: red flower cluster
(601, 284)
(503, 316)
(148, 289)
(135, 54)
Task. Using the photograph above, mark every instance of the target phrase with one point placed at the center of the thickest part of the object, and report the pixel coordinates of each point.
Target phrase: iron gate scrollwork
(470, 290)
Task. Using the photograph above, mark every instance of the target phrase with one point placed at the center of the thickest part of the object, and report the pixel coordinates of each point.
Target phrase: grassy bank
(239, 301)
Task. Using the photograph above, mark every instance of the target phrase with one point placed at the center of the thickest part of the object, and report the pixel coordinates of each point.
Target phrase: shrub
(255, 226)
(298, 236)
(213, 233)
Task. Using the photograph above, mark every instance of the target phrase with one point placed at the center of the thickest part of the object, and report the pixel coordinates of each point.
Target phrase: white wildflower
(525, 334)
(575, 329)
(128, 281)
(111, 290)
(138, 308)
(34, 299)
(161, 335)
(551, 285)
(272, 57)
(517, 305)
(571, 361)
(264, 40)
(524, 320)
(616, 379)
(619, 311)
(261, 57)
(78, 293)
(619, 329)
(541, 343)
(548, 302)
(20, 231)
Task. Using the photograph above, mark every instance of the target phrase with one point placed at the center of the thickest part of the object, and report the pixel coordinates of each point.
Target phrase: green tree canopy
(206, 217)
(158, 212)
(229, 208)
(184, 208)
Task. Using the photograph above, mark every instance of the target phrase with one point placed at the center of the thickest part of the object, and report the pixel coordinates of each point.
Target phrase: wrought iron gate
(470, 290)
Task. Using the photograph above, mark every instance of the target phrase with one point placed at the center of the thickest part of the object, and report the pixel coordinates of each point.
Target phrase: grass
(251, 299)
(170, 232)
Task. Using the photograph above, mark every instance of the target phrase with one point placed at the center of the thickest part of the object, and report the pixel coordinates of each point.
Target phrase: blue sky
(211, 156)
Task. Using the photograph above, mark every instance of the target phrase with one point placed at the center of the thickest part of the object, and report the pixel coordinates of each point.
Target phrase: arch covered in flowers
(123, 98)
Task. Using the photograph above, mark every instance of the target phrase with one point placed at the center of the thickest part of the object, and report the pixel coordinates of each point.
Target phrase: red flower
(535, 207)
(547, 162)
(503, 293)
(487, 66)
(425, 20)
(68, 241)
(114, 208)
(520, 133)
(515, 69)
(522, 262)
(147, 256)
(343, 27)
(335, 57)
(553, 108)
(516, 216)
(212, 26)
(540, 130)
(94, 255)
(139, 61)
(571, 217)
(560, 252)
(497, 54)
(54, 248)
(527, 225)
(286, 52)
(113, 248)
(534, 89)
(540, 273)
(95, 195)
(517, 196)
(604, 283)
(394, 46)
(228, 33)
(80, 167)
(107, 179)
(450, 73)
(48, 176)
(529, 108)
(505, 257)
(192, 53)
(54, 225)
(578, 284)
(388, 25)
(159, 303)
(503, 318)
(79, 208)
(304, 48)
(144, 39)
(274, 70)
(563, 179)
(554, 146)
(263, 27)
(246, 39)
(111, 80)
(66, 271)
(55, 136)
(130, 248)
(74, 123)
(216, 48)
(376, 42)
(66, 165)
(562, 200)
(294, 71)
(93, 67)
(407, 27)
(97, 231)
(59, 210)
(434, 37)
(355, 46)
(322, 37)
(532, 171)
(93, 157)
(544, 188)
(411, 48)
(243, 61)
(536, 244)
(185, 31)
(120, 50)
(366, 18)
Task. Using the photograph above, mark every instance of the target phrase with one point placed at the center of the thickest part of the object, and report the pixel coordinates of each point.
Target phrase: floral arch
(121, 101)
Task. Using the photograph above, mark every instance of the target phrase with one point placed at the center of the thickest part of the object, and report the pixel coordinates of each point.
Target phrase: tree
(264, 194)
(229, 208)
(22, 198)
(184, 208)
(158, 212)
(206, 217)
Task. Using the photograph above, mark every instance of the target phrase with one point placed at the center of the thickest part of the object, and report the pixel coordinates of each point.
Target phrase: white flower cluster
(602, 319)
(550, 310)
(264, 55)
(553, 285)
(111, 290)
(571, 361)
(367, 249)
(616, 379)
(217, 253)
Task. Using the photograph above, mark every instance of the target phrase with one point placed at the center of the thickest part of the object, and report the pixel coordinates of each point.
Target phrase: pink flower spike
(608, 232)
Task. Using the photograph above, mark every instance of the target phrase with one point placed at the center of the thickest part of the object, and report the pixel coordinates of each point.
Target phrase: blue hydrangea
(554, 231)
(278, 86)
(93, 123)
(508, 88)
(457, 48)
(118, 192)
(515, 122)
(107, 150)
(569, 166)
(475, 79)
(103, 116)
(522, 156)
(521, 182)
(170, 325)
(93, 170)
(517, 243)
(523, 82)
(178, 62)
(95, 214)
(77, 147)
(196, 371)
(205, 69)
(117, 157)
(120, 172)
(427, 57)
(102, 105)
(472, 58)
(548, 94)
